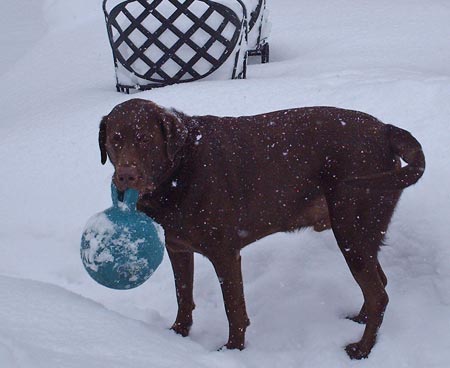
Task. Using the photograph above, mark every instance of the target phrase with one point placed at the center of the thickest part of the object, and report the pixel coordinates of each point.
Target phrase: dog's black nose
(126, 177)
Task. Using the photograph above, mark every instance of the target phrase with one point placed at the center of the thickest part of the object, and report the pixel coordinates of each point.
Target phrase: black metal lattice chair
(162, 42)
(258, 30)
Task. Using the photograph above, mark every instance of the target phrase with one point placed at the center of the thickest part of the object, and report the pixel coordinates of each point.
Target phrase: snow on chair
(162, 42)
(258, 29)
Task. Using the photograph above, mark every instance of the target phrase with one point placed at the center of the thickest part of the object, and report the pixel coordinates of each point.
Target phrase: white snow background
(388, 58)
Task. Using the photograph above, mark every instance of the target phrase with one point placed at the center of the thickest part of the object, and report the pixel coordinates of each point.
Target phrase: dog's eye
(143, 138)
(117, 137)
(117, 140)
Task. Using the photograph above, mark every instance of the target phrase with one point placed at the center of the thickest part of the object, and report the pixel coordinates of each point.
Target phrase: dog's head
(142, 141)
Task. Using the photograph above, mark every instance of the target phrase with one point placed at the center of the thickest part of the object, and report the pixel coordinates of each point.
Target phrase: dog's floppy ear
(102, 140)
(175, 134)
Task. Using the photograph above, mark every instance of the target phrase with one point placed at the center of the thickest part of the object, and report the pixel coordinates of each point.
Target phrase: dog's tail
(405, 146)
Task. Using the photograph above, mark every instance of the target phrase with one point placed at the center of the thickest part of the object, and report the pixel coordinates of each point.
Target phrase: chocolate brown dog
(217, 184)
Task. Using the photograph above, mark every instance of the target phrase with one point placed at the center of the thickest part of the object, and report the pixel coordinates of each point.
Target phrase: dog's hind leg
(359, 221)
(361, 317)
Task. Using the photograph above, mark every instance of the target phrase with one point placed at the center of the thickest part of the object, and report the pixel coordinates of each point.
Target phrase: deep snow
(389, 59)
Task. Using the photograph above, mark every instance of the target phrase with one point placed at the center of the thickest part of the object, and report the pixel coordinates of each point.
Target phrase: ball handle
(129, 197)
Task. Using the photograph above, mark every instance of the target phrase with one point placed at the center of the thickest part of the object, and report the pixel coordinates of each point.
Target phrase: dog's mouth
(148, 189)
(147, 192)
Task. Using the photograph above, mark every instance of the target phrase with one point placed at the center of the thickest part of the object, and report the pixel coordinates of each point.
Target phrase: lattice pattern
(255, 14)
(258, 30)
(169, 41)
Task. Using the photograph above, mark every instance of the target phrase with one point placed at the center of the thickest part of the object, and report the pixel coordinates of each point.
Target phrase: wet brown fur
(217, 184)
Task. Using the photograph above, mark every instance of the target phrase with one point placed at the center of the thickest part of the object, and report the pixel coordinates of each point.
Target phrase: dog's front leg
(228, 269)
(183, 270)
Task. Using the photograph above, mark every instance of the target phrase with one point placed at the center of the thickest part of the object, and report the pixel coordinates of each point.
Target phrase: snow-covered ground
(388, 58)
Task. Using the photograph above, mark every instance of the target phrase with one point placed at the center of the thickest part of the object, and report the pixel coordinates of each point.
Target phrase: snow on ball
(122, 247)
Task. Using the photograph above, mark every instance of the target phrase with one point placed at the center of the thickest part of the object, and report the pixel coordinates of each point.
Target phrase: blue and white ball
(121, 247)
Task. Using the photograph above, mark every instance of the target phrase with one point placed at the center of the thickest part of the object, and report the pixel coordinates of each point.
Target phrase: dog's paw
(354, 351)
(232, 346)
(181, 329)
(359, 318)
